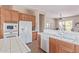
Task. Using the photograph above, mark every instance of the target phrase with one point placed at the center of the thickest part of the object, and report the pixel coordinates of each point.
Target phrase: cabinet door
(53, 47)
(14, 16)
(3, 14)
(2, 20)
(66, 47)
(34, 36)
(77, 48)
(1, 34)
(39, 39)
(21, 16)
(8, 15)
(27, 17)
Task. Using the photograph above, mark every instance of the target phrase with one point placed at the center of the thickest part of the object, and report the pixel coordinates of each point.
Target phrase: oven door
(10, 30)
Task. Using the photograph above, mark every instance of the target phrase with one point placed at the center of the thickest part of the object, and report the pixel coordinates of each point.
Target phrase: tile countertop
(13, 45)
(61, 38)
(52, 34)
(66, 40)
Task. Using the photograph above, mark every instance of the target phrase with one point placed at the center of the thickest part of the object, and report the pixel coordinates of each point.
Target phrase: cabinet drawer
(66, 44)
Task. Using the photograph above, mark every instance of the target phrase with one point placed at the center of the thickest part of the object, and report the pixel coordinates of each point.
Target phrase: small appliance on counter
(10, 30)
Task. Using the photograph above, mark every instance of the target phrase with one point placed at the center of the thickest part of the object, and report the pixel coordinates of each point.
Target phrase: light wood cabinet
(14, 16)
(2, 19)
(27, 17)
(58, 46)
(34, 36)
(39, 39)
(24, 17)
(21, 16)
(1, 34)
(77, 48)
(53, 45)
(7, 16)
(65, 47)
(3, 14)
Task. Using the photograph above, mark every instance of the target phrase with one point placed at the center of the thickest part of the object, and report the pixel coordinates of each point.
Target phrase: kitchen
(15, 27)
(34, 30)
(60, 33)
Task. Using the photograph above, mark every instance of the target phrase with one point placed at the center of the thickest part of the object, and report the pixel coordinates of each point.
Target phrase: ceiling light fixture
(60, 16)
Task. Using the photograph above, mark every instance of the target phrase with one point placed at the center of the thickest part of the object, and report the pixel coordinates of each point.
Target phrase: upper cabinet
(9, 15)
(5, 15)
(2, 15)
(14, 16)
(21, 16)
(2, 19)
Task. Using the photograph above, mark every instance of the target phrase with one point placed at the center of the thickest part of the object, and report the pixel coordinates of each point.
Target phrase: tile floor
(34, 46)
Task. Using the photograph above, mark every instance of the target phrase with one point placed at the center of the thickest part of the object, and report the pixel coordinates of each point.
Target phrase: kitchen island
(60, 42)
(13, 45)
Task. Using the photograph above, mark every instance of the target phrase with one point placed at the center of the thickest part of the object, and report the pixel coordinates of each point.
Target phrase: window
(65, 25)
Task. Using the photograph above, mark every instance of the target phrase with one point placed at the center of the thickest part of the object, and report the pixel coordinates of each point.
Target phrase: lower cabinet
(1, 34)
(66, 47)
(34, 36)
(77, 48)
(53, 45)
(39, 39)
(58, 46)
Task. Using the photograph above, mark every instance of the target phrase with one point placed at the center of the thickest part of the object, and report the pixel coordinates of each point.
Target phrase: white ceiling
(55, 10)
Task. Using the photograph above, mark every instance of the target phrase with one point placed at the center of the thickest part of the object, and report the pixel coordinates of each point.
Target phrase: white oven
(10, 30)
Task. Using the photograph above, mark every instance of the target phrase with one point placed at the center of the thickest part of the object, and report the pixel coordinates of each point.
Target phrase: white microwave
(8, 27)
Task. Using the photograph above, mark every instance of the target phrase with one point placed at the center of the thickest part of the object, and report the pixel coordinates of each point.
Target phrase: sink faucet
(61, 33)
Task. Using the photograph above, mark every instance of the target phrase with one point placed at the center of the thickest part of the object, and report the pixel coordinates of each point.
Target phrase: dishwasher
(45, 42)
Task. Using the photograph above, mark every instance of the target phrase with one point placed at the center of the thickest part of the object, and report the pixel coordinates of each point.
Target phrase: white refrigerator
(25, 31)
